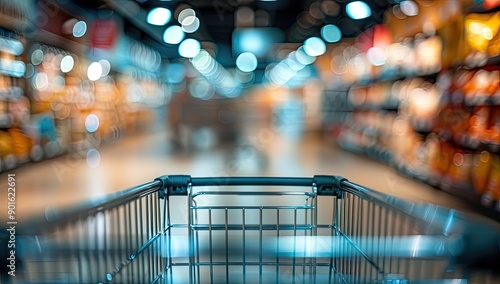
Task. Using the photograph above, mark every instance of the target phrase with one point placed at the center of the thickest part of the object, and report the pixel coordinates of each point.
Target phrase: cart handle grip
(177, 184)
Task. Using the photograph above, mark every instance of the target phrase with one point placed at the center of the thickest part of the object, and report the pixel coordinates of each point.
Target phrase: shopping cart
(324, 229)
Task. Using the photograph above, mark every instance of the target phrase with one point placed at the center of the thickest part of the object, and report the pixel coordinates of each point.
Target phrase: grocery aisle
(70, 179)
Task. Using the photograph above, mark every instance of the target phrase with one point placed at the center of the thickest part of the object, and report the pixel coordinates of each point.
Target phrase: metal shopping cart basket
(324, 229)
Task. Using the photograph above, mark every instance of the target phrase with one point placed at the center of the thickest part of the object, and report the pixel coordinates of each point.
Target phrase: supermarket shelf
(31, 162)
(465, 142)
(368, 82)
(494, 60)
(12, 23)
(465, 192)
(386, 107)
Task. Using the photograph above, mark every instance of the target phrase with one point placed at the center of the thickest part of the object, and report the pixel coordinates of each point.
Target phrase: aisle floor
(69, 179)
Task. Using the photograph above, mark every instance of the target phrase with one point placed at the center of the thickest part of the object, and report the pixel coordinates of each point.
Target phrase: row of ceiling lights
(247, 61)
(175, 34)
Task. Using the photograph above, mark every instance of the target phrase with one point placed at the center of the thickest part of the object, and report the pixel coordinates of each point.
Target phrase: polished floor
(75, 178)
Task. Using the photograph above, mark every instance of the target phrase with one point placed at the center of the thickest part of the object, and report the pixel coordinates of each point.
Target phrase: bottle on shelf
(481, 171)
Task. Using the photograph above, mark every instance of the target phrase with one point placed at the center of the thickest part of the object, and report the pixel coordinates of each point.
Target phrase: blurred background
(402, 96)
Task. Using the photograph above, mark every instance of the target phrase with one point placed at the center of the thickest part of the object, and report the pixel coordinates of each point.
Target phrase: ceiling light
(92, 123)
(409, 8)
(331, 33)
(79, 29)
(376, 56)
(358, 10)
(67, 63)
(190, 24)
(184, 14)
(189, 48)
(303, 57)
(106, 67)
(314, 46)
(37, 57)
(246, 62)
(173, 35)
(94, 71)
(159, 16)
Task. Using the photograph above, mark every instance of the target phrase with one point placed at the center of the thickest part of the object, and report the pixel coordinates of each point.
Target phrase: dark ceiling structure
(297, 19)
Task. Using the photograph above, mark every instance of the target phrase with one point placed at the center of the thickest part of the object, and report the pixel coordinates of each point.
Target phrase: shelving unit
(65, 110)
(434, 128)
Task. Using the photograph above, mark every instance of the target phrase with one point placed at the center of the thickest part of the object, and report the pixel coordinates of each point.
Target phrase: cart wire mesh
(324, 229)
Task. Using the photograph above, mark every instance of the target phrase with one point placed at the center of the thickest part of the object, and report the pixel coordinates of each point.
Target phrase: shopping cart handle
(178, 184)
(329, 185)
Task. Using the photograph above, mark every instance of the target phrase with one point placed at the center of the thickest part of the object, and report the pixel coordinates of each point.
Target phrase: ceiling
(298, 19)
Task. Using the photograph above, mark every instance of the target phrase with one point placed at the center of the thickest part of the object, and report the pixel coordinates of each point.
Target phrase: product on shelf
(446, 129)
(493, 186)
(460, 168)
(492, 134)
(478, 124)
(57, 94)
(480, 31)
(478, 86)
(19, 109)
(420, 102)
(22, 144)
(428, 55)
(7, 157)
(480, 171)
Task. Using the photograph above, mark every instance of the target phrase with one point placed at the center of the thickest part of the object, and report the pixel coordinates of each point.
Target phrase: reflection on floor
(74, 178)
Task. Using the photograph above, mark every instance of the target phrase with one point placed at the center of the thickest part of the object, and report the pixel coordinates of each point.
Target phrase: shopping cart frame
(356, 210)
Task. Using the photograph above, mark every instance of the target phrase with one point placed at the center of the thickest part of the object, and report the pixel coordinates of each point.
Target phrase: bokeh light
(190, 24)
(159, 16)
(409, 8)
(314, 46)
(94, 71)
(41, 81)
(175, 73)
(92, 123)
(37, 57)
(246, 62)
(201, 89)
(93, 158)
(358, 10)
(173, 35)
(189, 48)
(106, 67)
(331, 33)
(79, 29)
(58, 83)
(376, 56)
(184, 14)
(303, 57)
